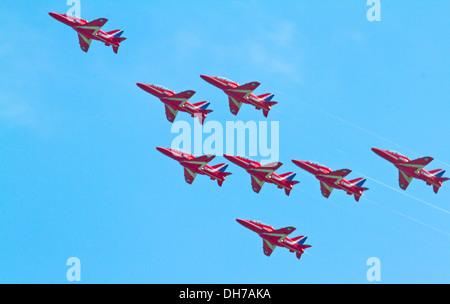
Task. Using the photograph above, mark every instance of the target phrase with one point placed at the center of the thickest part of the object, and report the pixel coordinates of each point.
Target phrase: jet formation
(276, 238)
(409, 169)
(260, 174)
(88, 31)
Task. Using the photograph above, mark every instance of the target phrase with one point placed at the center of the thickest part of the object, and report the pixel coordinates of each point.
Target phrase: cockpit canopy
(224, 78)
(315, 163)
(161, 87)
(258, 222)
(181, 152)
(396, 153)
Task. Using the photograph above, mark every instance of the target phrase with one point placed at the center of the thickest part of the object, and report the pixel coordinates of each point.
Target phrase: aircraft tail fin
(438, 172)
(220, 167)
(203, 112)
(289, 177)
(223, 174)
(266, 97)
(202, 105)
(300, 239)
(115, 34)
(359, 182)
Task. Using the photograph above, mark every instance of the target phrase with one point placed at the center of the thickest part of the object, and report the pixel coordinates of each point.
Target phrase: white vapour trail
(380, 137)
(406, 194)
(408, 217)
(361, 129)
(443, 163)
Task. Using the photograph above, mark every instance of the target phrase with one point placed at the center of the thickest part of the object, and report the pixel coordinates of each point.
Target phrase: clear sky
(80, 175)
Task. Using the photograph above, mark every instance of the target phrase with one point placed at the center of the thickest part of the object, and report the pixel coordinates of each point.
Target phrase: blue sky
(80, 175)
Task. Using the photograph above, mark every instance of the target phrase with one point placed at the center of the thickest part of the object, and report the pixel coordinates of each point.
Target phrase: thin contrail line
(361, 128)
(380, 137)
(406, 194)
(443, 163)
(408, 217)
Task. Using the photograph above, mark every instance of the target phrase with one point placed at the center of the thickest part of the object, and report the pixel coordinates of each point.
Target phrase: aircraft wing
(256, 184)
(94, 26)
(325, 189)
(418, 164)
(268, 247)
(404, 179)
(181, 98)
(189, 176)
(268, 169)
(171, 113)
(85, 43)
(337, 176)
(281, 233)
(245, 90)
(235, 105)
(198, 163)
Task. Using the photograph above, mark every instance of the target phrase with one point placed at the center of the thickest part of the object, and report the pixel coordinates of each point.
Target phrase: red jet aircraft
(261, 174)
(88, 31)
(238, 95)
(330, 180)
(178, 102)
(273, 238)
(197, 165)
(409, 169)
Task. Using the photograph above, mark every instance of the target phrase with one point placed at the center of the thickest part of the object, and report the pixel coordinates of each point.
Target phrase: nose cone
(55, 15)
(385, 154)
(380, 152)
(240, 221)
(210, 79)
(147, 87)
(165, 151)
(142, 85)
(227, 156)
(298, 162)
(231, 158)
(59, 17)
(243, 222)
(302, 164)
(206, 77)
(249, 225)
